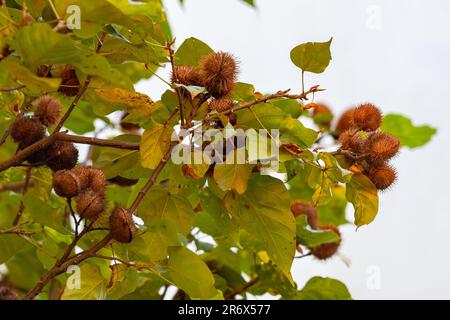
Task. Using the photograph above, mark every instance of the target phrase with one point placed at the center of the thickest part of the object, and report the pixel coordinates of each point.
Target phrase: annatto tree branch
(61, 266)
(279, 94)
(62, 136)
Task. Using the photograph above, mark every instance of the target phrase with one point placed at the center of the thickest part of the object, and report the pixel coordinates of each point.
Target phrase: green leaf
(312, 56)
(191, 52)
(318, 288)
(268, 116)
(362, 193)
(38, 44)
(313, 238)
(154, 144)
(160, 205)
(187, 271)
(94, 15)
(232, 176)
(410, 136)
(215, 220)
(92, 285)
(46, 213)
(124, 280)
(152, 246)
(10, 245)
(265, 214)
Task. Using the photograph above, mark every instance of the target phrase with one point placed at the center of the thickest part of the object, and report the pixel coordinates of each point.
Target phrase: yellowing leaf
(155, 143)
(362, 193)
(129, 99)
(232, 176)
(86, 284)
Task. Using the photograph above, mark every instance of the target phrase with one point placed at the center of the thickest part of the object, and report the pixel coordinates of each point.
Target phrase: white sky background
(394, 53)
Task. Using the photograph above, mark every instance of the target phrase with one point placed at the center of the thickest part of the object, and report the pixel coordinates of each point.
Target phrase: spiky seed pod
(367, 117)
(123, 228)
(327, 250)
(219, 72)
(233, 118)
(345, 122)
(43, 71)
(83, 176)
(48, 109)
(221, 105)
(62, 155)
(303, 207)
(67, 183)
(26, 131)
(186, 75)
(90, 204)
(381, 147)
(7, 293)
(322, 114)
(97, 180)
(382, 177)
(352, 141)
(70, 85)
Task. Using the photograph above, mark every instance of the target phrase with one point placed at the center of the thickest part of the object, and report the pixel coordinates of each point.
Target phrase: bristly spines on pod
(218, 72)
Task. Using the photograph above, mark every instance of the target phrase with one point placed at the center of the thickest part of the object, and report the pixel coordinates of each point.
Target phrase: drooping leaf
(410, 136)
(265, 214)
(362, 193)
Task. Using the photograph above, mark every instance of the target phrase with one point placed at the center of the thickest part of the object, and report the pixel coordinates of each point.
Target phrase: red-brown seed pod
(123, 228)
(83, 176)
(327, 250)
(43, 71)
(221, 105)
(47, 109)
(381, 147)
(6, 293)
(300, 207)
(382, 177)
(233, 118)
(62, 155)
(67, 183)
(186, 75)
(352, 141)
(25, 131)
(90, 204)
(97, 180)
(367, 117)
(70, 85)
(322, 114)
(345, 122)
(218, 72)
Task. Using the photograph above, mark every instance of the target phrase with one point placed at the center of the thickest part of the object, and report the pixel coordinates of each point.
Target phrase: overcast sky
(394, 53)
